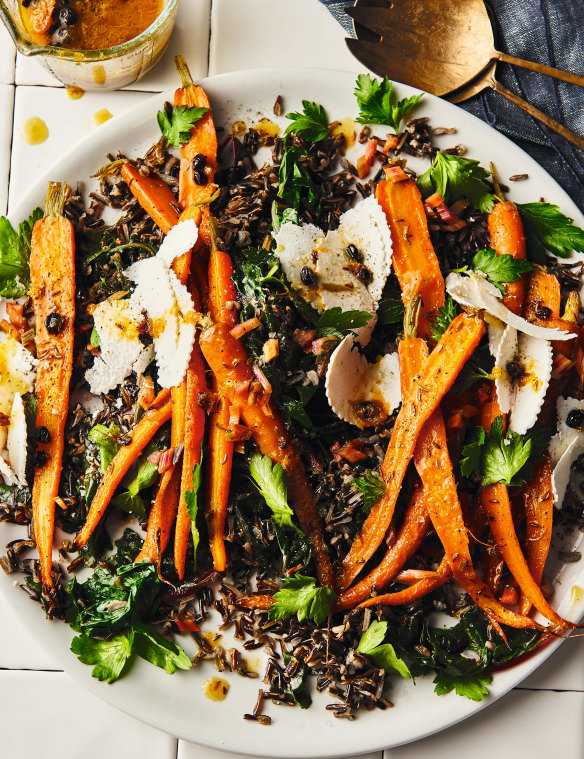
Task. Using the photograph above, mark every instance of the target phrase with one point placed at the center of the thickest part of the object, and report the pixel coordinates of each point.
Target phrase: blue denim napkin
(549, 32)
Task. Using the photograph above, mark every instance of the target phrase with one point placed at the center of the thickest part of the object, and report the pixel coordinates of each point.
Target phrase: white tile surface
(6, 109)
(521, 725)
(45, 714)
(68, 121)
(564, 670)
(18, 648)
(276, 34)
(189, 38)
(192, 751)
(7, 57)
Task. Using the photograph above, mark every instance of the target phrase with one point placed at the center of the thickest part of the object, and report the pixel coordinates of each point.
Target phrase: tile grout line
(11, 144)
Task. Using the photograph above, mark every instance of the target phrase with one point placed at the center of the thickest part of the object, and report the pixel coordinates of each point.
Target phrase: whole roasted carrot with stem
(402, 203)
(228, 360)
(157, 414)
(434, 380)
(52, 276)
(508, 238)
(222, 295)
(495, 500)
(198, 157)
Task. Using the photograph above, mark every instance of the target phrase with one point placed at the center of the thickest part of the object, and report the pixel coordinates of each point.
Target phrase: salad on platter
(333, 410)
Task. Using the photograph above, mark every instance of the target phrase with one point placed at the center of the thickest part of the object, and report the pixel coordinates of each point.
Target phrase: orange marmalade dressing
(101, 23)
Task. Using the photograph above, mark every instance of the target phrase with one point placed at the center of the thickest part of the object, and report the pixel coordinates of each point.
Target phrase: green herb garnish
(334, 322)
(176, 126)
(300, 595)
(500, 269)
(378, 104)
(15, 254)
(311, 124)
(547, 228)
(454, 177)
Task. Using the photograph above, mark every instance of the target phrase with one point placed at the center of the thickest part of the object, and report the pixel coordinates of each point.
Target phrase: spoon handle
(537, 114)
(565, 76)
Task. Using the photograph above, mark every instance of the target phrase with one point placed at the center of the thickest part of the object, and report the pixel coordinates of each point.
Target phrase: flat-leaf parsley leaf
(383, 654)
(176, 126)
(446, 314)
(371, 486)
(547, 228)
(334, 322)
(455, 177)
(311, 124)
(474, 688)
(300, 595)
(14, 255)
(500, 269)
(270, 482)
(378, 104)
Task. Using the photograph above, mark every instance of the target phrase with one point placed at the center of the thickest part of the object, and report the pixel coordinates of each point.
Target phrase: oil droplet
(267, 127)
(101, 116)
(212, 638)
(576, 597)
(35, 130)
(348, 128)
(216, 689)
(99, 75)
(239, 128)
(75, 92)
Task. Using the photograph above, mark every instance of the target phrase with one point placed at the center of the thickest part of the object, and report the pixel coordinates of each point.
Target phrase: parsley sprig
(176, 124)
(383, 654)
(446, 314)
(269, 479)
(334, 322)
(378, 103)
(311, 124)
(301, 595)
(547, 228)
(192, 504)
(14, 255)
(371, 486)
(455, 177)
(507, 459)
(500, 269)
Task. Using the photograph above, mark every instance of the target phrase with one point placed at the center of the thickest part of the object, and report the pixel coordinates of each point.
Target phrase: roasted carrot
(409, 538)
(539, 511)
(161, 517)
(159, 412)
(52, 276)
(412, 248)
(153, 194)
(257, 601)
(193, 443)
(508, 238)
(222, 295)
(435, 379)
(495, 500)
(203, 143)
(228, 359)
(416, 591)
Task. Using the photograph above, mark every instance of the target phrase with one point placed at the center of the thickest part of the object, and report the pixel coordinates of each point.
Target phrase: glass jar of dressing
(75, 26)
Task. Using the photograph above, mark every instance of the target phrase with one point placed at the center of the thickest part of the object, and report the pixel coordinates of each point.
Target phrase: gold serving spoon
(445, 47)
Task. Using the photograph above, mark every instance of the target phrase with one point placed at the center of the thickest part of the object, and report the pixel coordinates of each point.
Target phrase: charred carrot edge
(228, 360)
(256, 602)
(420, 589)
(193, 441)
(159, 412)
(495, 500)
(52, 274)
(508, 238)
(203, 142)
(153, 194)
(409, 538)
(539, 513)
(437, 376)
(221, 292)
(412, 248)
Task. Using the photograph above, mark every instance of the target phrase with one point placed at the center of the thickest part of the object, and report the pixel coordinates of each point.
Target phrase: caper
(515, 370)
(354, 253)
(43, 435)
(542, 312)
(40, 458)
(54, 323)
(575, 418)
(308, 276)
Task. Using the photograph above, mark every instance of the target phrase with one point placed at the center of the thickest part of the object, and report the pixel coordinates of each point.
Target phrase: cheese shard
(506, 351)
(179, 240)
(474, 291)
(565, 447)
(17, 375)
(171, 318)
(339, 280)
(535, 356)
(117, 323)
(17, 440)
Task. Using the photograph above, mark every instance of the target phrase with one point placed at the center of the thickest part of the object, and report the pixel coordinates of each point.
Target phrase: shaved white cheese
(496, 330)
(171, 315)
(17, 371)
(506, 352)
(7, 474)
(179, 240)
(351, 379)
(535, 356)
(16, 441)
(121, 351)
(473, 291)
(563, 468)
(337, 285)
